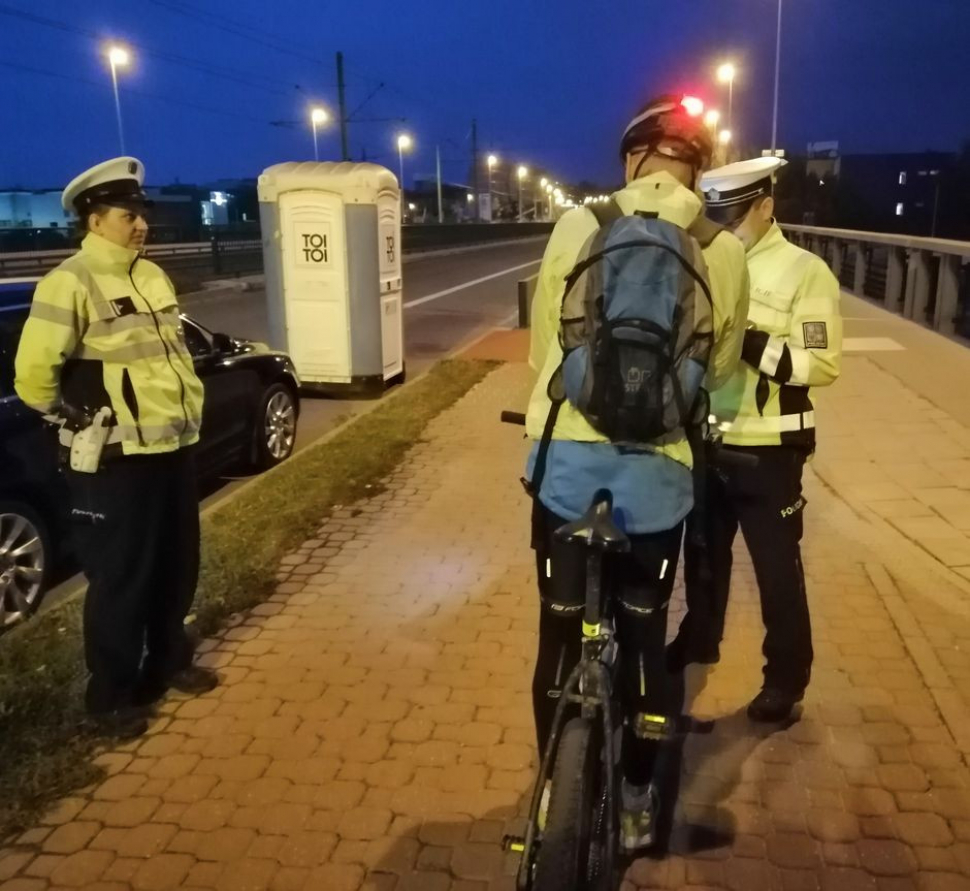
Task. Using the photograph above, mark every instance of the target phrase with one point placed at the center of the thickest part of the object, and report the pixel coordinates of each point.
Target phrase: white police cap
(114, 182)
(730, 190)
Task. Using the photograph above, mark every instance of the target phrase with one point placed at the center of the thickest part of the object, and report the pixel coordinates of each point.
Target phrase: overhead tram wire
(230, 74)
(222, 24)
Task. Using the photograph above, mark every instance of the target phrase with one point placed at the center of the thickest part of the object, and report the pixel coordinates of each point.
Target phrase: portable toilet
(332, 256)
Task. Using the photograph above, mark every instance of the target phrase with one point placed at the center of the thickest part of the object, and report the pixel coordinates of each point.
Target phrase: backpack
(636, 331)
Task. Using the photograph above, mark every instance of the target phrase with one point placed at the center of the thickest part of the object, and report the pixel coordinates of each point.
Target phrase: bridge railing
(923, 279)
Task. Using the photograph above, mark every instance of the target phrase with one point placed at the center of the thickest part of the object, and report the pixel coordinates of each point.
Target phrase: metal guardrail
(236, 256)
(923, 279)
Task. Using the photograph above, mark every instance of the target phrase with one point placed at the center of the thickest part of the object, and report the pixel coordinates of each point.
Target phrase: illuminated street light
(712, 119)
(318, 117)
(522, 173)
(724, 137)
(118, 57)
(491, 161)
(404, 144)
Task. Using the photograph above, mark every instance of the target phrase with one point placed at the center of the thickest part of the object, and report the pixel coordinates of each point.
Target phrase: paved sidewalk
(374, 729)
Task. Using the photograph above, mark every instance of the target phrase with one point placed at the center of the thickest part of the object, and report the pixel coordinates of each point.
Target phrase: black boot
(122, 723)
(773, 706)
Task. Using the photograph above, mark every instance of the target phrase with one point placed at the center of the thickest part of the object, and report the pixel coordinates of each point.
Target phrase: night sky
(551, 83)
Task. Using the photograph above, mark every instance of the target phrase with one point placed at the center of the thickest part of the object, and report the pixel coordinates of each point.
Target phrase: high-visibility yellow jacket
(104, 330)
(659, 193)
(793, 342)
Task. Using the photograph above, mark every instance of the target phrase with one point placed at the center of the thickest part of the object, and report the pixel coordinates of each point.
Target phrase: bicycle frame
(589, 686)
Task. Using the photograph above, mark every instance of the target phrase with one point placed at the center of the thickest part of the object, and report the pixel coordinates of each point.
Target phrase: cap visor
(727, 215)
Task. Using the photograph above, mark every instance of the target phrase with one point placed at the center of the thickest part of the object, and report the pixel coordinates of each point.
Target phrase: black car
(249, 419)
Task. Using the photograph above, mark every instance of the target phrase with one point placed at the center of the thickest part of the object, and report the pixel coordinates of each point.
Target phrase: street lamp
(549, 194)
(522, 173)
(724, 137)
(712, 119)
(774, 116)
(492, 160)
(318, 117)
(118, 57)
(404, 144)
(726, 74)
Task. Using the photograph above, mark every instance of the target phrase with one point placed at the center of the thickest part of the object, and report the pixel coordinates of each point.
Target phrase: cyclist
(664, 150)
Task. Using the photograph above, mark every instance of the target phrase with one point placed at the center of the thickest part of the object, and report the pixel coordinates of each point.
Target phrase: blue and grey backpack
(636, 331)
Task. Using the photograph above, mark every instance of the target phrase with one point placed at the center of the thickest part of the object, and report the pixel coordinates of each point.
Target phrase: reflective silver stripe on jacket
(126, 354)
(777, 424)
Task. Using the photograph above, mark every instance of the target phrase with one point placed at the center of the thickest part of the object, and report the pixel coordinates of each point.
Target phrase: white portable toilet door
(315, 285)
(392, 309)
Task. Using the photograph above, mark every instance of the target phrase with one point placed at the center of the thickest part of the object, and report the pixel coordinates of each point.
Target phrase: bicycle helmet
(671, 118)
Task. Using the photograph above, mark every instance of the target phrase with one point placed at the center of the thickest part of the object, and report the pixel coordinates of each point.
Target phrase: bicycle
(577, 848)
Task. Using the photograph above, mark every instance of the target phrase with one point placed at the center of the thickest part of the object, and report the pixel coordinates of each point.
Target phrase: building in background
(920, 193)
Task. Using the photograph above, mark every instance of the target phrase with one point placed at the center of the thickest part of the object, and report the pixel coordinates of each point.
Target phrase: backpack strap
(539, 469)
(705, 230)
(606, 213)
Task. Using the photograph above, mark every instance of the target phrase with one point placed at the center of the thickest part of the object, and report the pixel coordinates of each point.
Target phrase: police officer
(792, 343)
(104, 354)
(664, 149)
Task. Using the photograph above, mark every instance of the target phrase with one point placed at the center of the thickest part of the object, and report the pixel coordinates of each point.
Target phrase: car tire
(26, 561)
(274, 429)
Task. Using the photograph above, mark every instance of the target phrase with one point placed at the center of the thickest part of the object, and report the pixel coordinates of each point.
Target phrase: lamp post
(726, 74)
(492, 160)
(404, 144)
(318, 117)
(522, 173)
(774, 116)
(118, 57)
(549, 194)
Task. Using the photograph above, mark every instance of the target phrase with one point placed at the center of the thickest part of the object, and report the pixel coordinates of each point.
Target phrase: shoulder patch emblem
(815, 335)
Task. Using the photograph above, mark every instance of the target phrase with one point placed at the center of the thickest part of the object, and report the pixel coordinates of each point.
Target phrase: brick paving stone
(11, 862)
(833, 825)
(885, 857)
(337, 877)
(162, 872)
(82, 868)
(246, 874)
(941, 881)
(846, 879)
(70, 837)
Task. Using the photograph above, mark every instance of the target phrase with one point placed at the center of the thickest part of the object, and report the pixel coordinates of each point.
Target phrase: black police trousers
(136, 525)
(640, 584)
(765, 501)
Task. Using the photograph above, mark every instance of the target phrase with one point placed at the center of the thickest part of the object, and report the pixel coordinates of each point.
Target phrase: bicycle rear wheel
(563, 861)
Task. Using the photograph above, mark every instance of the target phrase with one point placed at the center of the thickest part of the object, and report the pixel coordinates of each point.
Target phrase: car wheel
(275, 427)
(25, 561)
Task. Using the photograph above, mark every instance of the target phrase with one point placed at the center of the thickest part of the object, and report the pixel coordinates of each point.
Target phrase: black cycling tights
(641, 583)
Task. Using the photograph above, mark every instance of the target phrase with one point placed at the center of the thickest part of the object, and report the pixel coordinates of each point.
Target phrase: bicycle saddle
(596, 529)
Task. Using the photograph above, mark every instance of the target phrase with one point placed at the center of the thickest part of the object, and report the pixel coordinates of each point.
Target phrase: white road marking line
(663, 569)
(428, 298)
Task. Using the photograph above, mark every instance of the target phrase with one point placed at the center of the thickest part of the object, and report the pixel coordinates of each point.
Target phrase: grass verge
(43, 754)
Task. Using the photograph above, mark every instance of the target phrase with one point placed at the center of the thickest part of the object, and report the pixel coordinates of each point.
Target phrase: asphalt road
(450, 301)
